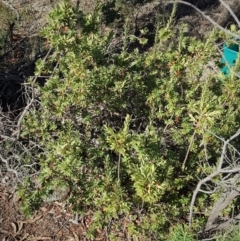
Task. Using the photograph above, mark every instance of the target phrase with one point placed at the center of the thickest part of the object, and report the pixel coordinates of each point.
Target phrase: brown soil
(53, 221)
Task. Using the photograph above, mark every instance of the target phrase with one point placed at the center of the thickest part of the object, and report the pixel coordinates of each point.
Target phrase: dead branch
(9, 169)
(231, 12)
(222, 203)
(214, 23)
(13, 149)
(228, 186)
(26, 109)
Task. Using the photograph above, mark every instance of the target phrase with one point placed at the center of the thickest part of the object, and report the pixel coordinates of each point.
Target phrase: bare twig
(223, 202)
(220, 169)
(26, 109)
(188, 150)
(7, 165)
(214, 23)
(231, 12)
(119, 164)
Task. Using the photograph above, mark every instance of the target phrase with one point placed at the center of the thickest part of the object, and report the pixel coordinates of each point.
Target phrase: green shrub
(181, 233)
(232, 234)
(125, 132)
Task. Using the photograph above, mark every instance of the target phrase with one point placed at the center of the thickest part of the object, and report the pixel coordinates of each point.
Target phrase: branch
(26, 109)
(214, 23)
(218, 171)
(231, 12)
(188, 150)
(222, 203)
(7, 165)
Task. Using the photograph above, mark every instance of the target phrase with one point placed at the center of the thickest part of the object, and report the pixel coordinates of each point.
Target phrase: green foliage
(126, 132)
(181, 233)
(232, 234)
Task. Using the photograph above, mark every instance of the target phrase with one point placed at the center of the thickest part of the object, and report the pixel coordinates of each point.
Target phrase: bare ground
(53, 221)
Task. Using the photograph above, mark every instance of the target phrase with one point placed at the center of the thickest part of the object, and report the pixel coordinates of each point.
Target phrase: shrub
(181, 233)
(126, 133)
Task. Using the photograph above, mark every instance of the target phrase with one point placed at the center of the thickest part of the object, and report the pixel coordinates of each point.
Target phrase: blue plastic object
(230, 54)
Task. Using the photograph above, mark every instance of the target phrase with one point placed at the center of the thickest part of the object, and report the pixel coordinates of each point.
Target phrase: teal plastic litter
(230, 54)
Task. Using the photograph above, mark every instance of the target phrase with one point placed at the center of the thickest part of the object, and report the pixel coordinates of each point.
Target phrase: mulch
(53, 221)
